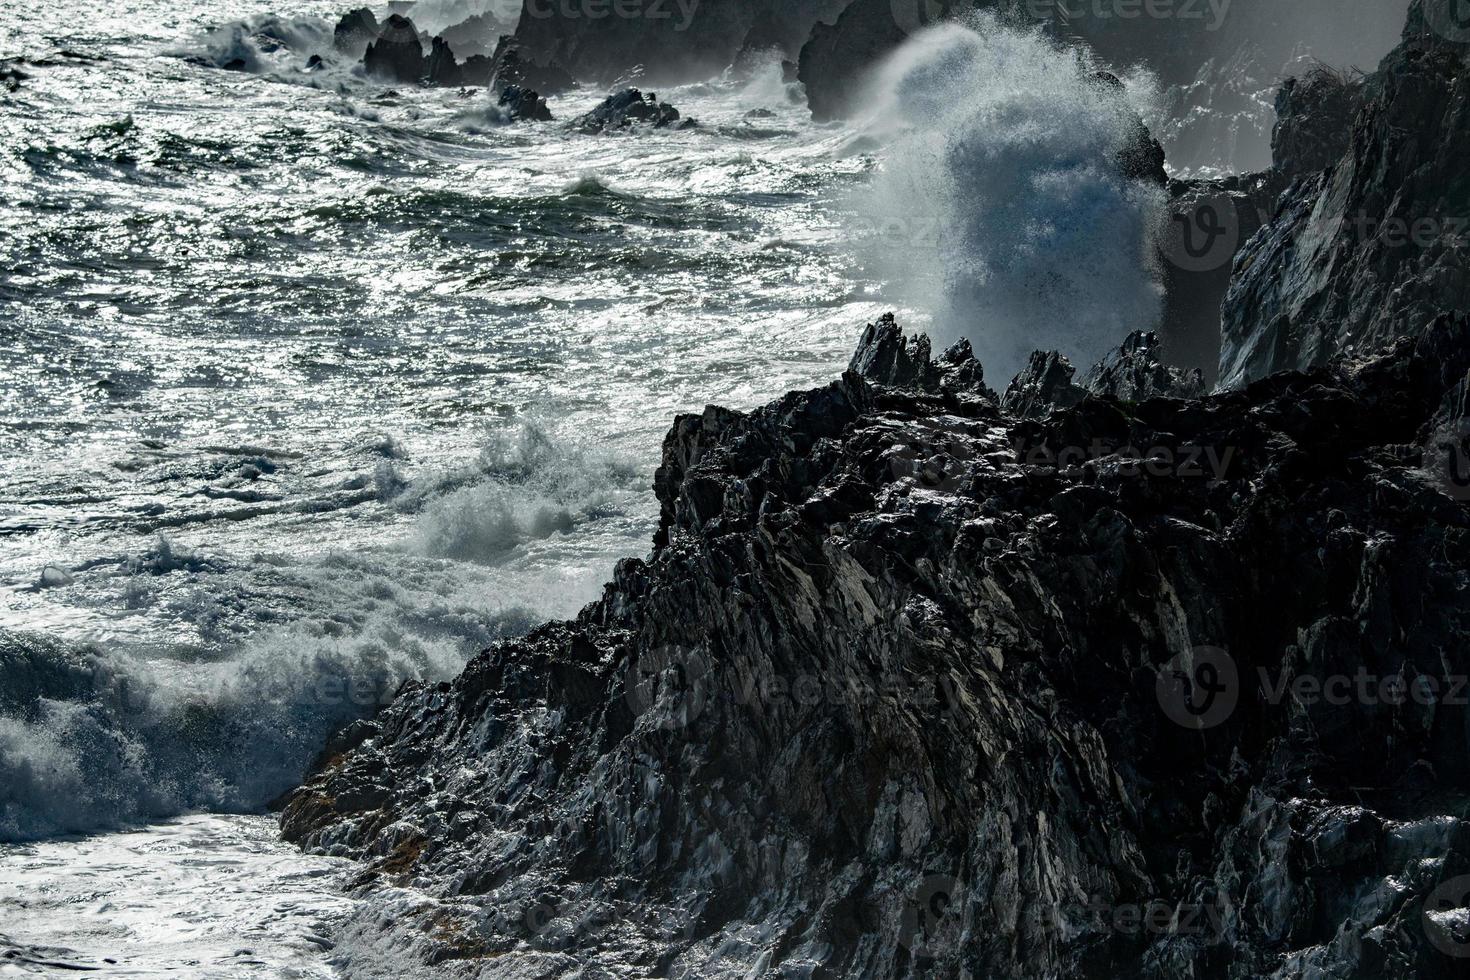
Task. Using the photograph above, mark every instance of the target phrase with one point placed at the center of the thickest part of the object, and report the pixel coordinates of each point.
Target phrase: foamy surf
(997, 208)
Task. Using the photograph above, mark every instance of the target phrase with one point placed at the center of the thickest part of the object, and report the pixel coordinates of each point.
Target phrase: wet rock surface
(397, 54)
(1314, 121)
(630, 107)
(512, 67)
(522, 103)
(1375, 246)
(912, 686)
(1136, 372)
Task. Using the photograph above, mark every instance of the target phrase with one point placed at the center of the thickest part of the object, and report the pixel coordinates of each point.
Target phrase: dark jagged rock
(622, 110)
(397, 54)
(1376, 246)
(1314, 121)
(1143, 157)
(522, 103)
(886, 357)
(1137, 372)
(898, 693)
(441, 68)
(839, 53)
(664, 41)
(477, 35)
(1043, 386)
(355, 31)
(511, 67)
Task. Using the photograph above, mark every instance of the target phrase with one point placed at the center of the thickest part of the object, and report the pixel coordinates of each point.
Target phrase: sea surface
(313, 385)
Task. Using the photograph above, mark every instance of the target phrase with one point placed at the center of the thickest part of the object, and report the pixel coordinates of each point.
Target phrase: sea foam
(997, 207)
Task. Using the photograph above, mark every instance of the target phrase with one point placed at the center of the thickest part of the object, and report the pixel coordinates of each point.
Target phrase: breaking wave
(997, 207)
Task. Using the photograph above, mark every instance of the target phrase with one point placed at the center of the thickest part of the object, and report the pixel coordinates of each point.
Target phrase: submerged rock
(622, 110)
(907, 679)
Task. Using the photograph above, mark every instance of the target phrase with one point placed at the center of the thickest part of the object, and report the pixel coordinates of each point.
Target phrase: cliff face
(1373, 247)
(912, 687)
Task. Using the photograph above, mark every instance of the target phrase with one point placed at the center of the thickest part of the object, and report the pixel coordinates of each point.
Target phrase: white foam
(997, 208)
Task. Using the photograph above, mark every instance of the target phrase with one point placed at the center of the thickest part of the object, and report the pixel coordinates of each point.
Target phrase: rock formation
(1373, 247)
(398, 54)
(903, 689)
(511, 67)
(523, 103)
(664, 41)
(622, 110)
(1102, 680)
(355, 31)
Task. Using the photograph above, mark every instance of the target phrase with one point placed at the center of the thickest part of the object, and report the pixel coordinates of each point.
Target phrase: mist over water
(997, 207)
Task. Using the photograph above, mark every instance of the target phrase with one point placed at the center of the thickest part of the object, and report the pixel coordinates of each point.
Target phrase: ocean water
(314, 385)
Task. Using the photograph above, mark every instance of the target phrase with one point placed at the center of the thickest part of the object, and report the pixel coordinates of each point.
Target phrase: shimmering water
(312, 385)
(311, 381)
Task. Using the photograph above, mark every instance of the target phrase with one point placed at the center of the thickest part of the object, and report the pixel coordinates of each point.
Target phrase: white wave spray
(998, 207)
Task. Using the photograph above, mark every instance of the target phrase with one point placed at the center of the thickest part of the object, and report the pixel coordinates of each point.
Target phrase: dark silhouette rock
(907, 676)
(478, 70)
(624, 109)
(441, 68)
(1374, 247)
(356, 30)
(523, 103)
(512, 67)
(397, 54)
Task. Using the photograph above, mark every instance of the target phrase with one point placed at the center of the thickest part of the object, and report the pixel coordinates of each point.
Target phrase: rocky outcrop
(477, 35)
(1314, 121)
(511, 67)
(441, 67)
(1374, 247)
(523, 103)
(398, 54)
(912, 687)
(885, 356)
(630, 107)
(1043, 386)
(663, 41)
(355, 31)
(1137, 372)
